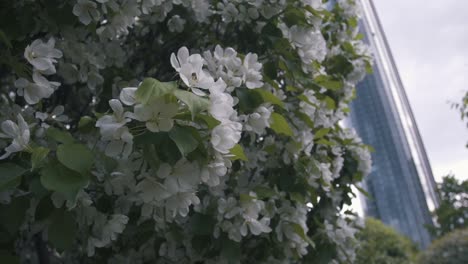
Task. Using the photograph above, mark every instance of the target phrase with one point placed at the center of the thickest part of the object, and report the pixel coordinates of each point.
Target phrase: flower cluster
(18, 132)
(182, 132)
(42, 56)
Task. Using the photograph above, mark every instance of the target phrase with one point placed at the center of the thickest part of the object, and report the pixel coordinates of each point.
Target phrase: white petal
(10, 128)
(114, 148)
(198, 92)
(58, 110)
(4, 156)
(24, 129)
(127, 150)
(21, 83)
(174, 62)
(14, 147)
(152, 126)
(127, 95)
(116, 105)
(243, 229)
(42, 64)
(183, 55)
(142, 113)
(164, 170)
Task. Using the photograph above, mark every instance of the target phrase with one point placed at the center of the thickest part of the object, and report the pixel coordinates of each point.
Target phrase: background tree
(462, 107)
(451, 248)
(381, 244)
(452, 212)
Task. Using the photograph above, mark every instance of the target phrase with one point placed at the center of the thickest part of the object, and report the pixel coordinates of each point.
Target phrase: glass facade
(401, 184)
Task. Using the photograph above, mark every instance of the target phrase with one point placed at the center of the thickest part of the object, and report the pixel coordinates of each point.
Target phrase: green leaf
(10, 175)
(231, 251)
(62, 229)
(36, 188)
(151, 156)
(339, 64)
(56, 177)
(264, 192)
(291, 88)
(12, 215)
(328, 82)
(279, 124)
(184, 140)
(248, 100)
(86, 124)
(369, 69)
(151, 88)
(304, 98)
(348, 47)
(8, 258)
(294, 16)
(4, 38)
(272, 30)
(238, 153)
(210, 121)
(269, 68)
(245, 198)
(195, 103)
(202, 224)
(361, 190)
(297, 197)
(269, 97)
(323, 141)
(330, 102)
(321, 133)
(353, 22)
(76, 157)
(166, 148)
(44, 209)
(59, 135)
(300, 231)
(39, 154)
(305, 118)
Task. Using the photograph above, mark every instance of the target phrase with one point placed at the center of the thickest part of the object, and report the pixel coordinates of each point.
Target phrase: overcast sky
(429, 41)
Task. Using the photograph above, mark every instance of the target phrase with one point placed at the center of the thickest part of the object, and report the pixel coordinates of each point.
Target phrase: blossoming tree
(178, 131)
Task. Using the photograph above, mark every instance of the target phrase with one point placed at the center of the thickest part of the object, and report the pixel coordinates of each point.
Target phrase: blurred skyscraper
(401, 184)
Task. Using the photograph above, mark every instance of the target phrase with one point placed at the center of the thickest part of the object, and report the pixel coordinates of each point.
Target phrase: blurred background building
(401, 184)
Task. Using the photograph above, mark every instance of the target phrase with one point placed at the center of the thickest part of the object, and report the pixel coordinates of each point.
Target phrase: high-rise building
(401, 184)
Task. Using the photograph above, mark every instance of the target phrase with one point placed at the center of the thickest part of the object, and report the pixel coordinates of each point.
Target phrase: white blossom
(217, 168)
(43, 55)
(86, 11)
(310, 44)
(20, 134)
(151, 190)
(225, 64)
(351, 8)
(190, 68)
(113, 128)
(225, 136)
(201, 8)
(157, 114)
(33, 92)
(315, 4)
(106, 231)
(57, 115)
(259, 120)
(222, 104)
(251, 71)
(176, 24)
